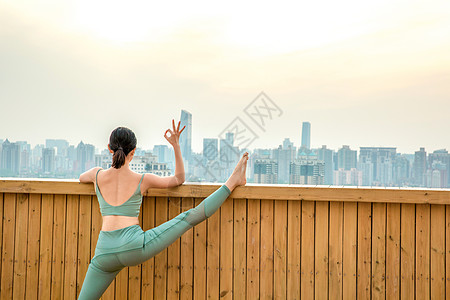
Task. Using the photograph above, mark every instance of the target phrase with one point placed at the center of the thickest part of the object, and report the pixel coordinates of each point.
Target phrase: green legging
(131, 246)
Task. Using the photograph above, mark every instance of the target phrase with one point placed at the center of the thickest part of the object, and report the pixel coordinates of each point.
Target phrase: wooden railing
(266, 242)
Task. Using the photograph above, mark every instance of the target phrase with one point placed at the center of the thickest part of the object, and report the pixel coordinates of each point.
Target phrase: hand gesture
(174, 137)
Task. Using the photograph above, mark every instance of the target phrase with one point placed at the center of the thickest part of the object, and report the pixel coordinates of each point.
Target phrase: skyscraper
(306, 135)
(346, 158)
(210, 149)
(186, 135)
(420, 167)
(326, 155)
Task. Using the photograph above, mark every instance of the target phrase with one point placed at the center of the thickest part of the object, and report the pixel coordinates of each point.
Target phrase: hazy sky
(364, 73)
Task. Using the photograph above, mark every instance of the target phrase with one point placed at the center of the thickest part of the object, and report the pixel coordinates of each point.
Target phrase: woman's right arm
(89, 176)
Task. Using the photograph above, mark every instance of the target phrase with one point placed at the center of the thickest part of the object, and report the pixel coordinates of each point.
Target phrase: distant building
(284, 157)
(186, 135)
(48, 161)
(402, 170)
(10, 158)
(420, 167)
(382, 161)
(162, 152)
(85, 157)
(309, 171)
(440, 160)
(149, 164)
(60, 145)
(210, 149)
(326, 155)
(266, 171)
(306, 135)
(348, 177)
(346, 158)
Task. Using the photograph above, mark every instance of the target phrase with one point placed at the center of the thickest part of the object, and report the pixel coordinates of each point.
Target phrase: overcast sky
(364, 73)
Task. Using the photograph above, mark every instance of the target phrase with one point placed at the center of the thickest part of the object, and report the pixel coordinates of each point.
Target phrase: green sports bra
(129, 208)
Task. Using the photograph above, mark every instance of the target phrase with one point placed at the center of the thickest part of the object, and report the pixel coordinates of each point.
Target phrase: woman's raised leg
(160, 237)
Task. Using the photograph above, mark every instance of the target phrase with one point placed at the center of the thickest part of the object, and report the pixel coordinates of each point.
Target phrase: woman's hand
(174, 135)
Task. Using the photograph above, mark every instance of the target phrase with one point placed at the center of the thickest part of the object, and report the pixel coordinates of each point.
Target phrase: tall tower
(186, 135)
(306, 135)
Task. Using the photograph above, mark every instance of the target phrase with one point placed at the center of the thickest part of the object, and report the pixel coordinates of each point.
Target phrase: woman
(121, 241)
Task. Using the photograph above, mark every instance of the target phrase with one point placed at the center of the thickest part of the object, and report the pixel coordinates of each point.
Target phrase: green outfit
(131, 246)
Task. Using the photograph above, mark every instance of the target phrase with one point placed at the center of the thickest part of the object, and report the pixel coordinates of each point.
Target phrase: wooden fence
(266, 242)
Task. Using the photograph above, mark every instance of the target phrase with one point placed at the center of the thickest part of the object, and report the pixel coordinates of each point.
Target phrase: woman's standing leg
(95, 283)
(160, 237)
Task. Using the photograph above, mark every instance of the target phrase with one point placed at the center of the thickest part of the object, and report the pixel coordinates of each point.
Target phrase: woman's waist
(117, 222)
(127, 238)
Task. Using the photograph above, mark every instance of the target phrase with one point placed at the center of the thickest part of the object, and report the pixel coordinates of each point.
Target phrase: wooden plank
(212, 256)
(9, 216)
(70, 263)
(240, 249)
(135, 276)
(293, 245)
(407, 264)
(84, 239)
(277, 192)
(160, 281)
(148, 222)
(307, 250)
(59, 235)
(321, 251)
(447, 251)
(187, 256)
(393, 251)
(364, 250)
(226, 250)
(335, 250)
(45, 247)
(34, 227)
(199, 258)
(349, 250)
(253, 242)
(437, 252)
(20, 247)
(379, 251)
(173, 256)
(423, 251)
(280, 249)
(1, 234)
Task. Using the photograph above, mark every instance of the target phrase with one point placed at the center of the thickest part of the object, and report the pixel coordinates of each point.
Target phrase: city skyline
(372, 74)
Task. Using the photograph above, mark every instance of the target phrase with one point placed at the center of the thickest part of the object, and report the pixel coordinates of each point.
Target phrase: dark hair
(122, 141)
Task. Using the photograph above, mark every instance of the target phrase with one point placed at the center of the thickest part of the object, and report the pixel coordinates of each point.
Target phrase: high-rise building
(229, 155)
(346, 158)
(306, 135)
(266, 171)
(402, 170)
(348, 177)
(186, 135)
(48, 161)
(85, 157)
(210, 149)
(162, 152)
(326, 155)
(284, 157)
(60, 145)
(382, 161)
(420, 167)
(309, 171)
(440, 160)
(10, 159)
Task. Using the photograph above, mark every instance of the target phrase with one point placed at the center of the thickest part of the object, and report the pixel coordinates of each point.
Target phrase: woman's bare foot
(238, 177)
